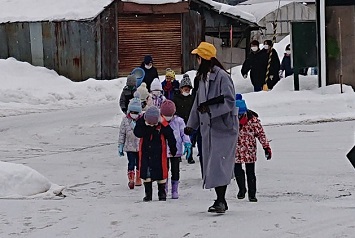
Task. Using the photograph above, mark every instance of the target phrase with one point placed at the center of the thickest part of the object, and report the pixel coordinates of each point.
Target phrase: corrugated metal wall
(192, 36)
(157, 35)
(18, 41)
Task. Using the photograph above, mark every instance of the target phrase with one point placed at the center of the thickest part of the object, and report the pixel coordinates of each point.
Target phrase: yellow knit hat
(205, 50)
(170, 73)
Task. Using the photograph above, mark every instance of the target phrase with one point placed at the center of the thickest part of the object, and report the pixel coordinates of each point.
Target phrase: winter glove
(120, 150)
(173, 151)
(245, 76)
(203, 109)
(268, 153)
(280, 74)
(187, 149)
(188, 131)
(133, 124)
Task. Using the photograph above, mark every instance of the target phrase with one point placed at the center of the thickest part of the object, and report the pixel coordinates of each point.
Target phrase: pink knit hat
(168, 108)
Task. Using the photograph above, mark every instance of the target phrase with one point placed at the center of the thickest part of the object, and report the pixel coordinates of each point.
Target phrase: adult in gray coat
(215, 113)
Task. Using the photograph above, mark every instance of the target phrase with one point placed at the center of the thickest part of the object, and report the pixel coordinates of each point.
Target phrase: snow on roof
(49, 10)
(250, 12)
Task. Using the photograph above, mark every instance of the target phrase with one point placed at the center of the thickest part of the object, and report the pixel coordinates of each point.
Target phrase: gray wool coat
(219, 128)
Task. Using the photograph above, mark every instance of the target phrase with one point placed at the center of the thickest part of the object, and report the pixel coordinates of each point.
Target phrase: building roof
(55, 10)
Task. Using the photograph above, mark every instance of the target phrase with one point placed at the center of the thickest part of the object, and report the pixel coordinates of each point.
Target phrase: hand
(245, 76)
(188, 131)
(133, 124)
(187, 149)
(268, 153)
(173, 151)
(120, 150)
(281, 74)
(203, 109)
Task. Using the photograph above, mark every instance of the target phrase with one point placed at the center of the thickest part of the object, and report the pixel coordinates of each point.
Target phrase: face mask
(288, 52)
(254, 48)
(149, 124)
(266, 47)
(185, 94)
(148, 66)
(134, 116)
(156, 93)
(168, 118)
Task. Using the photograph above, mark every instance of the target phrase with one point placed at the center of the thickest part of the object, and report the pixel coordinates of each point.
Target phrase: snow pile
(18, 181)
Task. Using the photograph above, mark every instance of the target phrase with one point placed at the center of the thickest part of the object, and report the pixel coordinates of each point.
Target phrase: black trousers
(250, 171)
(175, 167)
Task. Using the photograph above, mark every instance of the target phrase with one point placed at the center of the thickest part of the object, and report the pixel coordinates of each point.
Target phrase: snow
(61, 136)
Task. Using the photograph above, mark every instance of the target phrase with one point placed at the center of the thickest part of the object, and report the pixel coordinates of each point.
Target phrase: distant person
(273, 76)
(127, 92)
(215, 113)
(170, 84)
(256, 64)
(150, 71)
(250, 129)
(286, 63)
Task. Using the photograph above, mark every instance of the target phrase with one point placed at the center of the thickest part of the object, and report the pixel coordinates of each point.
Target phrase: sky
(60, 137)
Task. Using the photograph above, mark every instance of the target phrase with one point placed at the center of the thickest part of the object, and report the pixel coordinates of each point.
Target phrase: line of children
(250, 129)
(127, 92)
(177, 124)
(154, 134)
(129, 143)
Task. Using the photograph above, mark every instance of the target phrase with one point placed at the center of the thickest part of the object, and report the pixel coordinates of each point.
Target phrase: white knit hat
(156, 85)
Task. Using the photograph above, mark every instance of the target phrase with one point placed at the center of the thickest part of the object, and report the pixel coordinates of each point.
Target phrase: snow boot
(252, 190)
(174, 189)
(241, 185)
(138, 179)
(148, 189)
(217, 207)
(130, 175)
(161, 192)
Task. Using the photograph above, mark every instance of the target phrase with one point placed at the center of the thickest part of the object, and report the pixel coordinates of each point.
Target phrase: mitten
(133, 124)
(268, 153)
(203, 109)
(188, 131)
(120, 150)
(187, 149)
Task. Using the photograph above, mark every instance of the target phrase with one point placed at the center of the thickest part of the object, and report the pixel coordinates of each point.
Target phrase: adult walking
(256, 63)
(150, 71)
(215, 113)
(273, 76)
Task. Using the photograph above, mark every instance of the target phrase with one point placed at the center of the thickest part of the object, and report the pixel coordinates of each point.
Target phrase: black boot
(252, 190)
(241, 185)
(148, 191)
(220, 205)
(161, 192)
(217, 207)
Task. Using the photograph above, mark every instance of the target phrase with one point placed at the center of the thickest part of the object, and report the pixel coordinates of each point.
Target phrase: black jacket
(150, 75)
(256, 63)
(286, 65)
(126, 95)
(153, 149)
(183, 106)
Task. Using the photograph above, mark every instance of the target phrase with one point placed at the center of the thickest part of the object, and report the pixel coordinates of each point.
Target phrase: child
(128, 142)
(156, 90)
(176, 123)
(146, 98)
(170, 85)
(153, 136)
(127, 92)
(250, 128)
(183, 102)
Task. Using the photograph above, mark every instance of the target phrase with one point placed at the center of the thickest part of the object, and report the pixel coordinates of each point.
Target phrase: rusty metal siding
(109, 43)
(19, 43)
(36, 43)
(88, 53)
(156, 35)
(191, 37)
(4, 50)
(49, 46)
